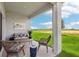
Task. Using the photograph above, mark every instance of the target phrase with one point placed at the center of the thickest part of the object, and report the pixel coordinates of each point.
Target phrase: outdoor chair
(13, 47)
(44, 41)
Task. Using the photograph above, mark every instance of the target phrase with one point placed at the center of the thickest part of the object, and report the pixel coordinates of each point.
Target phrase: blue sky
(69, 13)
(39, 21)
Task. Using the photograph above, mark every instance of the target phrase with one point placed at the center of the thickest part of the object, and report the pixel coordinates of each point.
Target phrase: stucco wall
(11, 19)
(2, 10)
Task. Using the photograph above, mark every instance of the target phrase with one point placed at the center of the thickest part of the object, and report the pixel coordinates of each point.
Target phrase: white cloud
(34, 27)
(47, 24)
(49, 27)
(70, 25)
(68, 8)
(67, 11)
(65, 14)
(74, 3)
(67, 26)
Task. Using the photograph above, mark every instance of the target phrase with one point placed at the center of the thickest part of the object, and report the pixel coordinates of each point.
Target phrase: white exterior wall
(2, 10)
(8, 21)
(11, 19)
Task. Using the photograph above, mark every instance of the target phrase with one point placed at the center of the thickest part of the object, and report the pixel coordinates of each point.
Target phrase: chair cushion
(43, 42)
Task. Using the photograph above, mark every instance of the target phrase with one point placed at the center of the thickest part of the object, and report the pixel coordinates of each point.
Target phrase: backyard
(70, 41)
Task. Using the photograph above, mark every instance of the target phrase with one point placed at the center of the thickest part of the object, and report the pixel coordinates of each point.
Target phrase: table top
(21, 38)
(17, 40)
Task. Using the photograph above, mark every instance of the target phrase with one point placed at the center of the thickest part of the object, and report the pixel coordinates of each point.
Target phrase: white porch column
(57, 27)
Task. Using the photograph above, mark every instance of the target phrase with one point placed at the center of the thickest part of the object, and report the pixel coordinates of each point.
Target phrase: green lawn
(37, 35)
(70, 43)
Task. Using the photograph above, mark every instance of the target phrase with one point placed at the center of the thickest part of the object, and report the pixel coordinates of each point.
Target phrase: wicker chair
(13, 47)
(44, 42)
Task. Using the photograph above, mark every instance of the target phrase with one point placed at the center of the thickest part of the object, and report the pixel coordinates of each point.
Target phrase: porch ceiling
(29, 9)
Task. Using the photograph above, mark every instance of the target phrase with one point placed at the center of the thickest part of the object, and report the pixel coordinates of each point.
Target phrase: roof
(29, 9)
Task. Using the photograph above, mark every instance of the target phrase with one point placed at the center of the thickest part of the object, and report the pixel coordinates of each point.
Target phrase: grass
(37, 35)
(70, 43)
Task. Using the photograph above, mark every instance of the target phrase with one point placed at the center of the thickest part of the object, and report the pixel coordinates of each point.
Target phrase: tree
(62, 24)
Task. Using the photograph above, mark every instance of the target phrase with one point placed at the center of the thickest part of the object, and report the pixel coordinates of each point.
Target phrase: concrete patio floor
(42, 52)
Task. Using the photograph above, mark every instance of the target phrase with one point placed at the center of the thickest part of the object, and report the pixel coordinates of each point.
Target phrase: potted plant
(30, 34)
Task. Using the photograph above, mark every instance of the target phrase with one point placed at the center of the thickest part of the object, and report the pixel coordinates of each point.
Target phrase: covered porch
(23, 12)
(40, 53)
